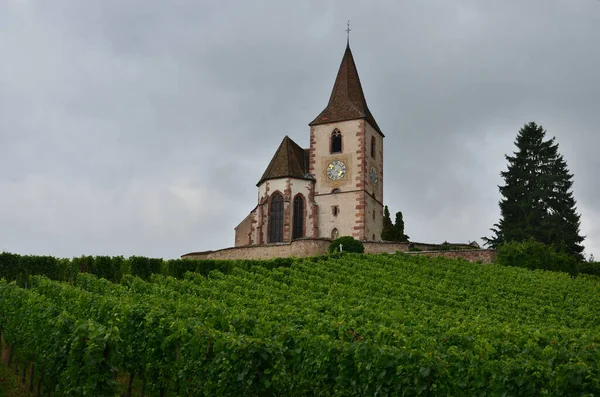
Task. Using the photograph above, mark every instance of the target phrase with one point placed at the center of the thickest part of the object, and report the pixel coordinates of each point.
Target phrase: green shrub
(349, 244)
(143, 267)
(108, 267)
(178, 267)
(535, 255)
(14, 267)
(592, 268)
(9, 265)
(85, 264)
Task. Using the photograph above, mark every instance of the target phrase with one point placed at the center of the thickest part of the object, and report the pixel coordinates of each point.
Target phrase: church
(333, 188)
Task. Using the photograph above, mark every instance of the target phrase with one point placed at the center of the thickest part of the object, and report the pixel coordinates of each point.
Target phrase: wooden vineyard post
(130, 385)
(31, 373)
(24, 371)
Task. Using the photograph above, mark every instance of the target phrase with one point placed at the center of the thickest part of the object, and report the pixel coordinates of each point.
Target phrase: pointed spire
(288, 161)
(347, 100)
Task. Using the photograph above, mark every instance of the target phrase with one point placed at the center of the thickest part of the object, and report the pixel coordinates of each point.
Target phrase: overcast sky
(142, 127)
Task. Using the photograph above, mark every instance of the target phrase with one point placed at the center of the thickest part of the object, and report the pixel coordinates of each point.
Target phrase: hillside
(352, 325)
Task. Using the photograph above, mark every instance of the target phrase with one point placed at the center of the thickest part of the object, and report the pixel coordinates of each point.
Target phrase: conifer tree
(537, 199)
(387, 233)
(399, 228)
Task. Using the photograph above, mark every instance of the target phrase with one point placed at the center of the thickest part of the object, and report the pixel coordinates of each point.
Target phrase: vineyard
(364, 325)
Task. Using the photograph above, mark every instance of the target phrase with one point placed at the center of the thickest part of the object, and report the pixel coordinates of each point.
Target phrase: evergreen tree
(537, 199)
(399, 228)
(387, 233)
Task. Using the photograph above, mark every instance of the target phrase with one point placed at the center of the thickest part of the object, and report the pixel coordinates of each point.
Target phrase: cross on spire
(348, 32)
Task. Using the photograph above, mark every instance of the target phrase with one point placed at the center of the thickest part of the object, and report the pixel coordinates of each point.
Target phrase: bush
(109, 268)
(143, 267)
(592, 268)
(14, 267)
(535, 255)
(349, 244)
(178, 267)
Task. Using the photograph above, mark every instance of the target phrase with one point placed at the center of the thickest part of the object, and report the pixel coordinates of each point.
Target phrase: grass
(10, 383)
(11, 386)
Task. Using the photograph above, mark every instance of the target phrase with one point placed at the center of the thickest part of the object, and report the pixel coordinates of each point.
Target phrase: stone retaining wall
(319, 246)
(483, 255)
(298, 248)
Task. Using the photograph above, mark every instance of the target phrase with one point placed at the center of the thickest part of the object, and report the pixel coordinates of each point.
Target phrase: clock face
(373, 176)
(336, 170)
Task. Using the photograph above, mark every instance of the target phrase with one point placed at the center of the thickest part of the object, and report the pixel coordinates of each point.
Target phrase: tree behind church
(537, 199)
(387, 233)
(391, 231)
(399, 228)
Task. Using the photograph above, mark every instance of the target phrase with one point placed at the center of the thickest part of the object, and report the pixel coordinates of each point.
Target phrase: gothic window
(335, 234)
(336, 141)
(373, 146)
(298, 217)
(276, 219)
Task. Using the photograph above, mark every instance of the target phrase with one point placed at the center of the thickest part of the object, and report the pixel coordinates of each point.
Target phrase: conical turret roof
(347, 100)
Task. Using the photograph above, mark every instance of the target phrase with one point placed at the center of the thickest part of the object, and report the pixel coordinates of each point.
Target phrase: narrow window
(276, 219)
(373, 216)
(336, 141)
(298, 217)
(335, 210)
(373, 146)
(335, 234)
(373, 237)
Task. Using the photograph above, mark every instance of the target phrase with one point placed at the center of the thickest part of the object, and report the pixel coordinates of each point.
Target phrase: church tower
(346, 160)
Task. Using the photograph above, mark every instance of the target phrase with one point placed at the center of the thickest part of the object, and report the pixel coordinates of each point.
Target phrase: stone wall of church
(344, 205)
(376, 190)
(321, 156)
(289, 188)
(350, 218)
(373, 218)
(243, 231)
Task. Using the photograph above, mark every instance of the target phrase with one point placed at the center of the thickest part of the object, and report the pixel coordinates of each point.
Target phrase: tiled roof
(290, 160)
(347, 101)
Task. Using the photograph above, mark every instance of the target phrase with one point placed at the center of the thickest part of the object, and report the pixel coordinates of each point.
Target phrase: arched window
(298, 217)
(336, 190)
(336, 141)
(276, 219)
(373, 146)
(335, 234)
